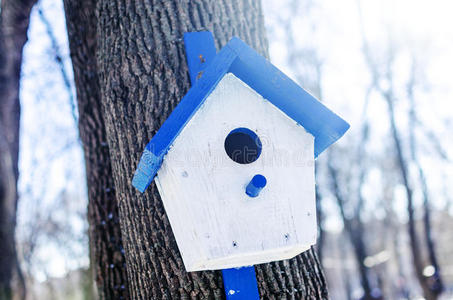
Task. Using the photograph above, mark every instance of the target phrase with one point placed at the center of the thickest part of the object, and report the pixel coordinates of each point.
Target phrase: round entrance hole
(243, 145)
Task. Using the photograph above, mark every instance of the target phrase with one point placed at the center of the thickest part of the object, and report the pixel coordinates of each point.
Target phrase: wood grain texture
(143, 75)
(216, 224)
(14, 21)
(106, 246)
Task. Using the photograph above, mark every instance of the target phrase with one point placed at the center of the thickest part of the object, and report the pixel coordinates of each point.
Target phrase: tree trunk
(143, 74)
(8, 198)
(106, 247)
(14, 20)
(435, 281)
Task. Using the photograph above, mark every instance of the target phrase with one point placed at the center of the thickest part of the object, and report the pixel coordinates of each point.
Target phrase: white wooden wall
(215, 223)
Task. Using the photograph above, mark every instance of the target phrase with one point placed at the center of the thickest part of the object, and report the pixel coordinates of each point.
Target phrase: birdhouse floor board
(243, 259)
(216, 224)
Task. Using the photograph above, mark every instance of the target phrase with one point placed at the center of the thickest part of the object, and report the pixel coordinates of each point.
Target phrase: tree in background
(136, 59)
(431, 285)
(106, 243)
(383, 82)
(435, 280)
(307, 65)
(51, 230)
(14, 20)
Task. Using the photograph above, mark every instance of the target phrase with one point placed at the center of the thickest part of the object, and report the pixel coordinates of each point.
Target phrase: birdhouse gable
(262, 77)
(236, 139)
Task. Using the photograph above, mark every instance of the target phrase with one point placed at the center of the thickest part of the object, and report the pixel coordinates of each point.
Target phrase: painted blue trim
(255, 185)
(200, 49)
(146, 170)
(240, 284)
(241, 60)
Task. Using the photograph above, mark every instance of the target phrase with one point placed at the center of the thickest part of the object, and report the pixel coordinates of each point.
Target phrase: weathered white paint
(215, 223)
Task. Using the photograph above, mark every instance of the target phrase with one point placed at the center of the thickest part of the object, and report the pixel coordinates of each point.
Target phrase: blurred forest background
(384, 200)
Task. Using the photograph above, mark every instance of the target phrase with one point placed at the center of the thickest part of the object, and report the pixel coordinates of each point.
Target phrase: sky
(51, 159)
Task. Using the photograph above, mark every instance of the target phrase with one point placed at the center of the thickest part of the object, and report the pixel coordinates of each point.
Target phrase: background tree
(51, 230)
(14, 20)
(383, 83)
(142, 75)
(306, 64)
(364, 165)
(106, 246)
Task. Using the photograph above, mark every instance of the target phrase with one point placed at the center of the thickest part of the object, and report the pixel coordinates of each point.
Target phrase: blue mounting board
(200, 49)
(240, 283)
(254, 70)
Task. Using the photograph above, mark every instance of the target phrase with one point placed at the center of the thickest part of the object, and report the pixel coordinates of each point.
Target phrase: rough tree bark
(143, 74)
(106, 247)
(14, 21)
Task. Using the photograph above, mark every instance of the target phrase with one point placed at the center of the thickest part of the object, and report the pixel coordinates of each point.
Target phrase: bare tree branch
(388, 94)
(58, 57)
(436, 282)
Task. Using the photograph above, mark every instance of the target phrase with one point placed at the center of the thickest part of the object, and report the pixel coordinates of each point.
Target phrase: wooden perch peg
(255, 186)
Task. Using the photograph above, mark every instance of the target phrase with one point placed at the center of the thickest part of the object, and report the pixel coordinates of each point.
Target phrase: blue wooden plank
(240, 283)
(200, 49)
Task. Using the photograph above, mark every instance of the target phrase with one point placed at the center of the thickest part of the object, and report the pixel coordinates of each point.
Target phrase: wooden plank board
(240, 283)
(200, 51)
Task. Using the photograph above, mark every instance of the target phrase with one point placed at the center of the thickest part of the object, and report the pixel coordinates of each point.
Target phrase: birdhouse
(234, 163)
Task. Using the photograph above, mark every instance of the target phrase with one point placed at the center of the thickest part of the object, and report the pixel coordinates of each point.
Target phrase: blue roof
(257, 72)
